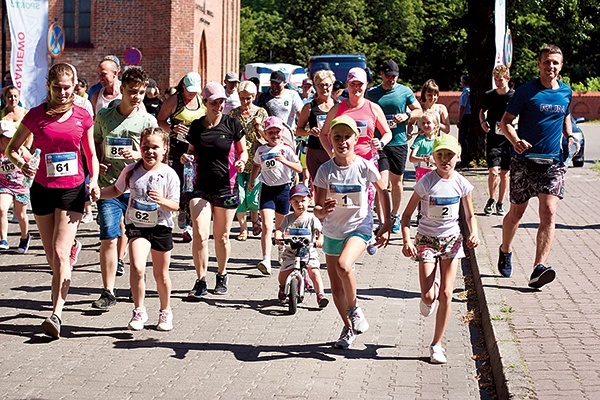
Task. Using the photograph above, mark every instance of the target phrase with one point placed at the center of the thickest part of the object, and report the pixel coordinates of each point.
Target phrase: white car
(294, 74)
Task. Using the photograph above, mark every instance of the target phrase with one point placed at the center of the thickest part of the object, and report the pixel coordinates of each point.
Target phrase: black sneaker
(500, 210)
(221, 285)
(489, 207)
(541, 275)
(120, 267)
(106, 300)
(51, 326)
(24, 244)
(505, 263)
(199, 290)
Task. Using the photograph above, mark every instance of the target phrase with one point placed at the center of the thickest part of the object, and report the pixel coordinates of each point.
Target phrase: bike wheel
(293, 303)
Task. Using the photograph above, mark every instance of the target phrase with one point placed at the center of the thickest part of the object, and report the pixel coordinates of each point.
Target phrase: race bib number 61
(61, 164)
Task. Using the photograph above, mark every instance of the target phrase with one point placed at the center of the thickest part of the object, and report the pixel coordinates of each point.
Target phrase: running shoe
(541, 275)
(437, 354)
(346, 339)
(165, 320)
(359, 322)
(138, 319)
(74, 254)
(24, 244)
(198, 291)
(106, 300)
(51, 326)
(221, 285)
(489, 207)
(505, 263)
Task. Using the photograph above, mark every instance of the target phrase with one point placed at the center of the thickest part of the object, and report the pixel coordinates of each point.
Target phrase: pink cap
(273, 122)
(357, 74)
(213, 91)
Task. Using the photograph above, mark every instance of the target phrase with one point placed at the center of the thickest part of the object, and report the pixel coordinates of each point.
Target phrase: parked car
(579, 158)
(340, 64)
(294, 74)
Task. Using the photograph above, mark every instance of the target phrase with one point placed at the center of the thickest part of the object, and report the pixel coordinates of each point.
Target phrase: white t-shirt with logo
(304, 227)
(273, 172)
(142, 211)
(232, 101)
(348, 185)
(440, 203)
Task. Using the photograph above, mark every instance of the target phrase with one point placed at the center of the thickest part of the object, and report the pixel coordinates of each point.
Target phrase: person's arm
(167, 204)
(242, 154)
(165, 113)
(253, 174)
(303, 121)
(409, 249)
(444, 119)
(94, 100)
(324, 135)
(416, 112)
(568, 132)
(323, 205)
(110, 192)
(413, 158)
(93, 165)
(511, 134)
(483, 121)
(12, 150)
(295, 166)
(381, 124)
(473, 239)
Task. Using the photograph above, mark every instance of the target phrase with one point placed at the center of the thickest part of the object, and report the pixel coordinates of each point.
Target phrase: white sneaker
(264, 266)
(437, 354)
(357, 317)
(427, 310)
(87, 218)
(138, 319)
(165, 320)
(346, 338)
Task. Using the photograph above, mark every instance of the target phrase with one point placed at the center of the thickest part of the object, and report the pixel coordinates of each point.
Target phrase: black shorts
(44, 201)
(397, 158)
(159, 236)
(383, 164)
(275, 198)
(499, 156)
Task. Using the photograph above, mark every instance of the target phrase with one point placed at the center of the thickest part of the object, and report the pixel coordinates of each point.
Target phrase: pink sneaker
(75, 250)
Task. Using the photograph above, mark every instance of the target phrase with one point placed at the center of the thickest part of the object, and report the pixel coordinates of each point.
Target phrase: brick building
(174, 36)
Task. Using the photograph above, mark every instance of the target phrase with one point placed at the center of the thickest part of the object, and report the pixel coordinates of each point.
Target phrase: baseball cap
(232, 77)
(344, 120)
(307, 82)
(390, 68)
(357, 74)
(113, 58)
(299, 190)
(446, 142)
(213, 91)
(277, 77)
(273, 122)
(192, 82)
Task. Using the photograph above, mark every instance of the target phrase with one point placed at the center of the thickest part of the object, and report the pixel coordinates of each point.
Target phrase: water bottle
(374, 151)
(572, 150)
(33, 163)
(188, 176)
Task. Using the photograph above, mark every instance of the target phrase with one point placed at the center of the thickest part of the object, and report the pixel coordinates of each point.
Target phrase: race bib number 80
(61, 164)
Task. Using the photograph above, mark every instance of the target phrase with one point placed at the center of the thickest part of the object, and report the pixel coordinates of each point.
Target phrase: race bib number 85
(115, 147)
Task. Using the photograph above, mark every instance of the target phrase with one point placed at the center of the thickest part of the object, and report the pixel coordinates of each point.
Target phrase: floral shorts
(529, 179)
(444, 248)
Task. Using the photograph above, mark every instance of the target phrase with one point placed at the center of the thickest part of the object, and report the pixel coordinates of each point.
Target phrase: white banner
(28, 20)
(500, 24)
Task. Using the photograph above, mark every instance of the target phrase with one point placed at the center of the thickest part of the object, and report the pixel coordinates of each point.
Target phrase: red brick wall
(167, 32)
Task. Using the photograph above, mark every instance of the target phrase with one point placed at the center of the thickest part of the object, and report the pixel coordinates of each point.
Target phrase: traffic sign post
(56, 40)
(133, 56)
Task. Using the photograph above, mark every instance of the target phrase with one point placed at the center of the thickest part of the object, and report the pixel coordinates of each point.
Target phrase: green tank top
(184, 114)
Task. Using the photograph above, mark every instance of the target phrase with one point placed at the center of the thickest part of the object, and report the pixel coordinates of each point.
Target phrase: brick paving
(548, 341)
(242, 345)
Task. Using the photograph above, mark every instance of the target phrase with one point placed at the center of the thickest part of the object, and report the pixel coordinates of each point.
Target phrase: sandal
(256, 227)
(243, 236)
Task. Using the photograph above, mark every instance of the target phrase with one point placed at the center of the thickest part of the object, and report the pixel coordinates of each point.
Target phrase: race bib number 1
(116, 145)
(443, 207)
(349, 196)
(143, 214)
(61, 164)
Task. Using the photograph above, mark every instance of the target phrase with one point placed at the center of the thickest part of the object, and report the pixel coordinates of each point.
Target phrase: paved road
(548, 341)
(242, 345)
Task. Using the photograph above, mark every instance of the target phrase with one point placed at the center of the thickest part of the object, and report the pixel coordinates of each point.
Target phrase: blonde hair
(247, 86)
(164, 135)
(323, 74)
(56, 72)
(435, 118)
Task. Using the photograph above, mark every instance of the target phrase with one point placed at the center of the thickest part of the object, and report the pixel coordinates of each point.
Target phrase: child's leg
(448, 275)
(337, 288)
(426, 281)
(267, 216)
(282, 277)
(160, 262)
(122, 242)
(138, 254)
(353, 248)
(315, 276)
(5, 200)
(21, 211)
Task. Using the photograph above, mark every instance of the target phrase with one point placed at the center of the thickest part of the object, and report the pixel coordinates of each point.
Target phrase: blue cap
(299, 190)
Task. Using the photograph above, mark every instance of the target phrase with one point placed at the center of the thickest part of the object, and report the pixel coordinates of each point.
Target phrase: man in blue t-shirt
(537, 168)
(401, 108)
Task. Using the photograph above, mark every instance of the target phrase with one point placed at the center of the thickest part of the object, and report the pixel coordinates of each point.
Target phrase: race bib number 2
(61, 164)
(443, 207)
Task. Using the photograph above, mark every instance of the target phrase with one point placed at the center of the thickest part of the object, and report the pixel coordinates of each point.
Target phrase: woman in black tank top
(313, 116)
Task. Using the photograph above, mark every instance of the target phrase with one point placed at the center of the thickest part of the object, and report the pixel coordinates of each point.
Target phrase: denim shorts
(110, 212)
(334, 247)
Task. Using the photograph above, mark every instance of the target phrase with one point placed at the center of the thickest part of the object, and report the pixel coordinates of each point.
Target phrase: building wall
(167, 32)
